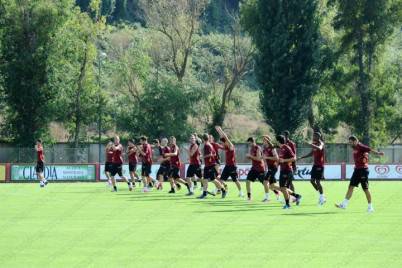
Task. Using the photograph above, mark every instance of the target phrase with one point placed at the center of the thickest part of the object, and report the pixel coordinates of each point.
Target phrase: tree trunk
(311, 119)
(363, 91)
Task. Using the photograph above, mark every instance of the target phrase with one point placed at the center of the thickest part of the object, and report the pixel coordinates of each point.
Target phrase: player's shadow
(239, 205)
(145, 197)
(309, 213)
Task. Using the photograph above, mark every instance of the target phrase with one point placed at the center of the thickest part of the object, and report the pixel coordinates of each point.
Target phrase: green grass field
(85, 225)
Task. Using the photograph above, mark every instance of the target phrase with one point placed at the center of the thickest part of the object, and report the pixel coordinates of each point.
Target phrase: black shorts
(317, 173)
(132, 167)
(360, 176)
(229, 171)
(163, 171)
(270, 176)
(285, 178)
(108, 167)
(146, 170)
(210, 173)
(40, 167)
(254, 175)
(194, 170)
(117, 169)
(174, 172)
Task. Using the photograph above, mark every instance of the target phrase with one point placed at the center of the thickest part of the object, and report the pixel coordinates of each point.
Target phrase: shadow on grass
(309, 213)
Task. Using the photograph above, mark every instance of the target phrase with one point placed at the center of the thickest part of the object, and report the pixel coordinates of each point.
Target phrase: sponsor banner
(331, 172)
(2, 173)
(379, 171)
(54, 172)
(126, 172)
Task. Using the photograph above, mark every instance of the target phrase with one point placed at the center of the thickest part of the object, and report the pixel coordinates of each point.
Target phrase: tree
(129, 66)
(27, 31)
(178, 21)
(226, 60)
(366, 25)
(163, 111)
(286, 35)
(71, 72)
(216, 15)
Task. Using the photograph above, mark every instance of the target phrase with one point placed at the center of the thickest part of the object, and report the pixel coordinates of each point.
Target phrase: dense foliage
(91, 68)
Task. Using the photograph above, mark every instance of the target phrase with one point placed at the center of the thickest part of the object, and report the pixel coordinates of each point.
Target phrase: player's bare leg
(113, 180)
(345, 202)
(266, 190)
(109, 180)
(248, 188)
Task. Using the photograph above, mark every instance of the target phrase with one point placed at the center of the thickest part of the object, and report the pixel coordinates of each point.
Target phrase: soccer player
(198, 141)
(230, 169)
(164, 168)
(40, 163)
(361, 172)
(292, 146)
(108, 162)
(286, 158)
(175, 164)
(146, 156)
(132, 161)
(194, 169)
(217, 147)
(210, 173)
(270, 156)
(257, 165)
(117, 163)
(317, 171)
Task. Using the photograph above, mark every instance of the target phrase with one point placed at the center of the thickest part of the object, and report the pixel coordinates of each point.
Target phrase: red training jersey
(147, 157)
(132, 157)
(285, 152)
(109, 155)
(175, 160)
(195, 158)
(230, 156)
(40, 155)
(257, 164)
(269, 152)
(216, 146)
(162, 152)
(292, 146)
(318, 156)
(117, 157)
(361, 155)
(209, 150)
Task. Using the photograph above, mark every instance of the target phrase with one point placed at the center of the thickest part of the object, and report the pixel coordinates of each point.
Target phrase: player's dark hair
(156, 141)
(144, 138)
(251, 139)
(353, 138)
(280, 139)
(132, 141)
(222, 139)
(317, 134)
(286, 133)
(198, 141)
(205, 136)
(39, 140)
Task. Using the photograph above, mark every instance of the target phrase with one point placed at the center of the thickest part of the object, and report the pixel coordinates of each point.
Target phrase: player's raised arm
(222, 134)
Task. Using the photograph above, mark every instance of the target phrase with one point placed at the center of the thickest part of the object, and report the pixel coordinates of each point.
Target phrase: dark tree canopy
(286, 35)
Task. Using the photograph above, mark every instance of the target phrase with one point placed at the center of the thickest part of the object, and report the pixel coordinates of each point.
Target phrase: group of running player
(264, 166)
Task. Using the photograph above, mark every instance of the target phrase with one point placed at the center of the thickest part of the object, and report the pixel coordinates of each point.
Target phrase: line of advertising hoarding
(92, 172)
(380, 172)
(54, 172)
